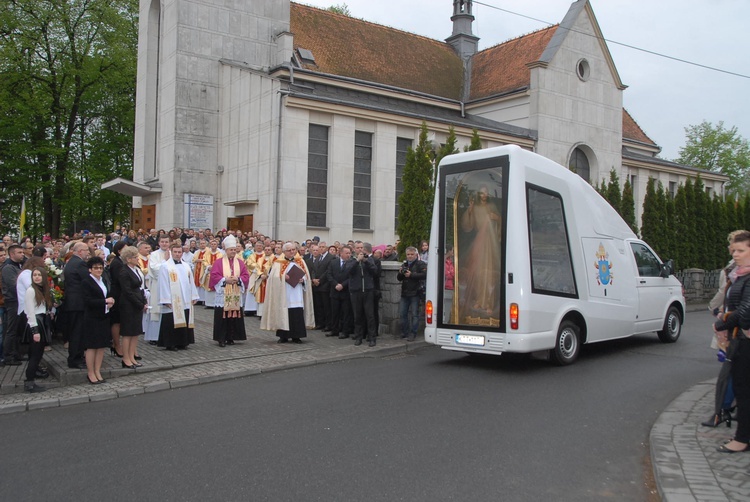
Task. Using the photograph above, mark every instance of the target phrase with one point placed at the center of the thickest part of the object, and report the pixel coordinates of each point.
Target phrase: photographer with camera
(411, 275)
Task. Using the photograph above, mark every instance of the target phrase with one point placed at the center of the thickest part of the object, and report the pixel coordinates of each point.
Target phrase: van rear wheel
(672, 326)
(567, 344)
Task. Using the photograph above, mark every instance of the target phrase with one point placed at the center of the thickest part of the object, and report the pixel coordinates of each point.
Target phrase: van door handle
(643, 282)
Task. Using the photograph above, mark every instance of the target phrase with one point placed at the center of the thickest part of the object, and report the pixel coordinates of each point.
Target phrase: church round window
(583, 69)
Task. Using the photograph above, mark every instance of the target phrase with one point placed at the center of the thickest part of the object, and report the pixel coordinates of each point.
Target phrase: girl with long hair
(38, 301)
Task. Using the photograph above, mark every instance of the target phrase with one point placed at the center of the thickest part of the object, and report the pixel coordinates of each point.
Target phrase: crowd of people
(731, 306)
(102, 292)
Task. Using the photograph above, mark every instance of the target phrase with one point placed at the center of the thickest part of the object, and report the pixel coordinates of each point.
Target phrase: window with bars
(362, 180)
(317, 176)
(579, 164)
(402, 147)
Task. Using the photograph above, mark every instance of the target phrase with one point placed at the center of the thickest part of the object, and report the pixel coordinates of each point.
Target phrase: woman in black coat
(96, 305)
(132, 303)
(115, 269)
(735, 325)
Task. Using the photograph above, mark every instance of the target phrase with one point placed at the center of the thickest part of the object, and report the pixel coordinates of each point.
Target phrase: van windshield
(473, 224)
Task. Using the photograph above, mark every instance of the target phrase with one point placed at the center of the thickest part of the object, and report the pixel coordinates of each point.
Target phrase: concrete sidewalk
(686, 464)
(203, 362)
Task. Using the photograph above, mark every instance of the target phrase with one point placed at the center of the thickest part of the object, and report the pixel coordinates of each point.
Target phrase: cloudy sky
(664, 96)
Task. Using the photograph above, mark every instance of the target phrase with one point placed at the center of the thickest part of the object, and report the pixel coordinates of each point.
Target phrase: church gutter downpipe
(282, 93)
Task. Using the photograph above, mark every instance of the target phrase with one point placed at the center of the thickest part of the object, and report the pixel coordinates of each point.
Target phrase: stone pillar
(391, 289)
(694, 284)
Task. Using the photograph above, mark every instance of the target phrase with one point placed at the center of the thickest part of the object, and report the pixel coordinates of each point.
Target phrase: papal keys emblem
(604, 266)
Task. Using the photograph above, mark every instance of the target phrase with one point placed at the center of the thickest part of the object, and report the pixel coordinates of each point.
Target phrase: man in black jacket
(75, 272)
(411, 274)
(362, 291)
(11, 269)
(318, 268)
(341, 303)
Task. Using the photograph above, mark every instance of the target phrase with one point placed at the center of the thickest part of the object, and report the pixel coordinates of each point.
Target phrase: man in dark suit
(153, 239)
(362, 292)
(75, 272)
(318, 268)
(342, 324)
(10, 271)
(326, 259)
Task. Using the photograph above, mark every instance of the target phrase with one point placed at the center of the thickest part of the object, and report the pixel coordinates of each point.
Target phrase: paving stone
(71, 400)
(103, 396)
(156, 386)
(12, 408)
(130, 391)
(187, 382)
(40, 404)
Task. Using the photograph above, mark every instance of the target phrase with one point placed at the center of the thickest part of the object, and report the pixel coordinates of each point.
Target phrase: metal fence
(699, 285)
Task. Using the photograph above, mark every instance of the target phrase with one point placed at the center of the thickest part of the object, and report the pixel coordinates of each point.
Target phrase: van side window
(648, 264)
(551, 264)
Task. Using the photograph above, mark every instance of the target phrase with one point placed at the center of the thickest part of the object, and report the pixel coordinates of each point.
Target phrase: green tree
(627, 206)
(719, 230)
(734, 218)
(649, 217)
(718, 149)
(476, 142)
(683, 249)
(67, 79)
(449, 148)
(340, 9)
(653, 217)
(700, 213)
(614, 195)
(415, 203)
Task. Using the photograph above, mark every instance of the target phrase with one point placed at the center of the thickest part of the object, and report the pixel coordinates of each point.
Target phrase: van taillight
(513, 316)
(428, 311)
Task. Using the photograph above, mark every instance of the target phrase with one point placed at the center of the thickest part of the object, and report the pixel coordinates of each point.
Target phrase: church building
(295, 121)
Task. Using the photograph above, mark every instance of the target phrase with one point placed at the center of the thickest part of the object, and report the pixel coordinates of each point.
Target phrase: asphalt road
(430, 426)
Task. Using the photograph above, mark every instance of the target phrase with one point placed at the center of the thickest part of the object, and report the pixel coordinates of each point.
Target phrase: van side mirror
(667, 269)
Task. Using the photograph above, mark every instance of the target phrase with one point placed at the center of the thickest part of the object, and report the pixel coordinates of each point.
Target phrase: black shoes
(371, 344)
(78, 366)
(718, 419)
(222, 344)
(724, 449)
(12, 362)
(296, 340)
(357, 341)
(282, 340)
(114, 353)
(129, 367)
(32, 388)
(42, 374)
(172, 349)
(342, 337)
(230, 342)
(137, 358)
(94, 382)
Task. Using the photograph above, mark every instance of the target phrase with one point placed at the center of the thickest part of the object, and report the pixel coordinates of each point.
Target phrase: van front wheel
(567, 345)
(672, 326)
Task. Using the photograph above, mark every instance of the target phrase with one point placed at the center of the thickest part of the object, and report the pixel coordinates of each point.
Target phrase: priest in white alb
(155, 260)
(229, 279)
(288, 308)
(177, 295)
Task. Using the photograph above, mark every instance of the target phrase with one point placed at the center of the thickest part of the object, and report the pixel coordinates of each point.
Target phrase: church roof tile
(354, 48)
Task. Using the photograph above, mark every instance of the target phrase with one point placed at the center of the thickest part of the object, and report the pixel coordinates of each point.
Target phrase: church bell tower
(463, 40)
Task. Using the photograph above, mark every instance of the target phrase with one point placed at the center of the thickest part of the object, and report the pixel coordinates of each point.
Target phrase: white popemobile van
(525, 256)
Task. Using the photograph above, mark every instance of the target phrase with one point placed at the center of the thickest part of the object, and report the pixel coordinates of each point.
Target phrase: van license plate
(470, 340)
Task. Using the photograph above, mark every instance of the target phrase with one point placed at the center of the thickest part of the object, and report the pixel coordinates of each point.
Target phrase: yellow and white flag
(23, 218)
